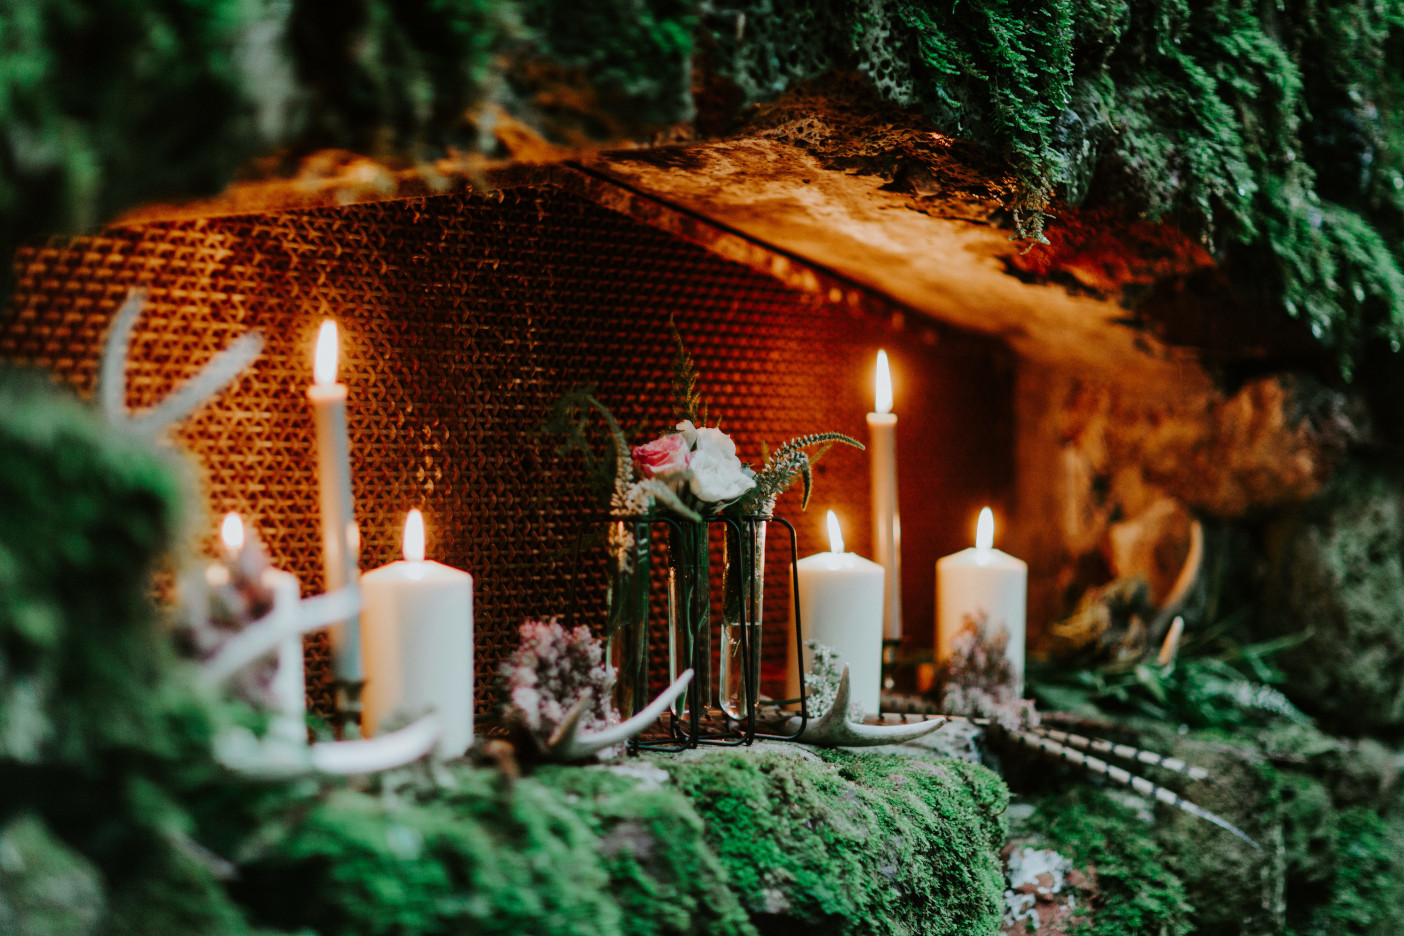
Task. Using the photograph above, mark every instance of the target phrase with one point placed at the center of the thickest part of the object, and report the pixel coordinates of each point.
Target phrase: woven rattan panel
(462, 318)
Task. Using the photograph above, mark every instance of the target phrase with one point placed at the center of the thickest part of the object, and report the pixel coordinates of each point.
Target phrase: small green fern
(687, 398)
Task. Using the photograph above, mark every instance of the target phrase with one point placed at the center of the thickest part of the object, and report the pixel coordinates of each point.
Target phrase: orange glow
(835, 534)
(883, 402)
(324, 363)
(414, 537)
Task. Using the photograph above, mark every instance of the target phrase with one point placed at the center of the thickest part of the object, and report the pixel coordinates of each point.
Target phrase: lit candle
(340, 542)
(985, 586)
(887, 527)
(289, 686)
(840, 601)
(418, 626)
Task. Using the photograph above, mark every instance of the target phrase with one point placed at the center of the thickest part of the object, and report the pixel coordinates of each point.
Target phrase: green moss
(1338, 574)
(1367, 895)
(737, 843)
(89, 513)
(46, 888)
(1234, 888)
(638, 56)
(853, 843)
(1139, 894)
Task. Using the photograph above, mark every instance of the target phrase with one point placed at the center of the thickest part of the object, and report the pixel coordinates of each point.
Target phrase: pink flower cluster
(550, 669)
(698, 460)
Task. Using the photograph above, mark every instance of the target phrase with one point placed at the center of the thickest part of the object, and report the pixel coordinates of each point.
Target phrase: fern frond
(687, 399)
(623, 462)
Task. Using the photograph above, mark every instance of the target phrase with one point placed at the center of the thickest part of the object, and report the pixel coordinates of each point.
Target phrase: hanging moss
(1278, 126)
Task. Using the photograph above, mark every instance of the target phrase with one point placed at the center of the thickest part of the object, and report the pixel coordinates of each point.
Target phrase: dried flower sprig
(787, 463)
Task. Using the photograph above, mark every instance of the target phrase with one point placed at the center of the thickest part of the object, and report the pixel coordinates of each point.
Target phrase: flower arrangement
(691, 471)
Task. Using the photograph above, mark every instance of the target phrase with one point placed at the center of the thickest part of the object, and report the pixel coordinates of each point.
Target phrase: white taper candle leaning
(986, 587)
(840, 601)
(887, 524)
(340, 538)
(418, 623)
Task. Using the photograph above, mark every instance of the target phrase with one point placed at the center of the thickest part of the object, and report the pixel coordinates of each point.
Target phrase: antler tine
(568, 743)
(112, 372)
(833, 729)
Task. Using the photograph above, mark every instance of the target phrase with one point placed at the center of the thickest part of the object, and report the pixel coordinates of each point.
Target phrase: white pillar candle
(840, 603)
(887, 526)
(340, 542)
(982, 585)
(417, 619)
(289, 687)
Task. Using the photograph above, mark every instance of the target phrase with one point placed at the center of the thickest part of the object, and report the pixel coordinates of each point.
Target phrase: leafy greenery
(1215, 681)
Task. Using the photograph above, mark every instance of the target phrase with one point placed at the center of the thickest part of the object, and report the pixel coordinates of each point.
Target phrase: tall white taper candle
(887, 525)
(340, 539)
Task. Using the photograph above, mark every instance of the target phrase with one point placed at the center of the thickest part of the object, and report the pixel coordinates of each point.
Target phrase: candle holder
(696, 722)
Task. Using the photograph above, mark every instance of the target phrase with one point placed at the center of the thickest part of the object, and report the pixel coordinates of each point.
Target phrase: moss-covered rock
(853, 843)
(1338, 575)
(1236, 889)
(736, 843)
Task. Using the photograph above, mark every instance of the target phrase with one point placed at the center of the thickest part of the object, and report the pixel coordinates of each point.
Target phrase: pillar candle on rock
(982, 587)
(887, 524)
(289, 683)
(841, 606)
(417, 621)
(340, 539)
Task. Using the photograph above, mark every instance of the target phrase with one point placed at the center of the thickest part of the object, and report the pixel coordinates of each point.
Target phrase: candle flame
(835, 534)
(324, 363)
(232, 532)
(883, 403)
(984, 530)
(414, 536)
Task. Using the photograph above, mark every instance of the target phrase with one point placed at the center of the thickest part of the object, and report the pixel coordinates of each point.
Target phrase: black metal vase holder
(691, 729)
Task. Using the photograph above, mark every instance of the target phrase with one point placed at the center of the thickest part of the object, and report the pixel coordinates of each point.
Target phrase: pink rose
(665, 455)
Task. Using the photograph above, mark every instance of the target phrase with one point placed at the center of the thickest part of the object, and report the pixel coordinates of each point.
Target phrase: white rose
(689, 432)
(717, 477)
(717, 441)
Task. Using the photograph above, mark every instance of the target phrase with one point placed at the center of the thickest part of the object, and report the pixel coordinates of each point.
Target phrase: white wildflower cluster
(821, 682)
(550, 670)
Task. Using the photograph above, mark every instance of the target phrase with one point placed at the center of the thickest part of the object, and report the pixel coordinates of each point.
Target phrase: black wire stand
(714, 726)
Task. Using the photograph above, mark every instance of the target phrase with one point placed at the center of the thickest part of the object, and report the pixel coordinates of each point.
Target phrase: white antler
(268, 632)
(217, 374)
(567, 743)
(833, 729)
